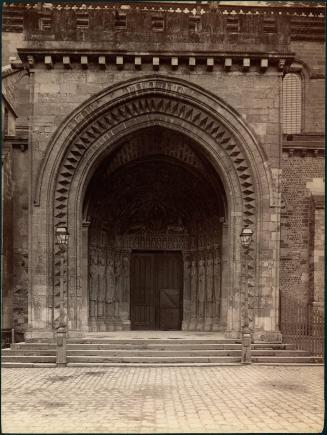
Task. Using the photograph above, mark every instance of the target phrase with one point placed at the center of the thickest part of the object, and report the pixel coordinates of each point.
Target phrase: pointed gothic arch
(93, 131)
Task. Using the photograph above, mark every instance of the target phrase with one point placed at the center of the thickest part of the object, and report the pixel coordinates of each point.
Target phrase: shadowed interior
(153, 193)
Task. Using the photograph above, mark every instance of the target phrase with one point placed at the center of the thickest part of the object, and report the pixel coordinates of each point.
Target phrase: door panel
(143, 292)
(169, 309)
(156, 290)
(169, 269)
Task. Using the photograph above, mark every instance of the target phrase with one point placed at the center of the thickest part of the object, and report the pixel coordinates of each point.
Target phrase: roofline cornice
(179, 7)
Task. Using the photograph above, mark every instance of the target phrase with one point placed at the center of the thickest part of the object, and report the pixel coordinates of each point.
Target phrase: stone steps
(151, 352)
(44, 352)
(130, 353)
(136, 341)
(286, 359)
(155, 346)
(318, 362)
(29, 358)
(278, 353)
(269, 346)
(151, 364)
(129, 346)
(153, 359)
(154, 352)
(25, 365)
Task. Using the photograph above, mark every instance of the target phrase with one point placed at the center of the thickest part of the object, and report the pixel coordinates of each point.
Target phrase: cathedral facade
(152, 134)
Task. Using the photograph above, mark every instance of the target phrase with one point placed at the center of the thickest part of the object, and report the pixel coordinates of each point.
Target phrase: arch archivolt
(191, 119)
(101, 124)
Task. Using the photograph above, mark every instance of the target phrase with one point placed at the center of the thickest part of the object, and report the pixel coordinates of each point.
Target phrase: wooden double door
(156, 290)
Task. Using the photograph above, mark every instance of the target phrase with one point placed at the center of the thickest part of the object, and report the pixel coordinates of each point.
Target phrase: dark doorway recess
(158, 196)
(156, 290)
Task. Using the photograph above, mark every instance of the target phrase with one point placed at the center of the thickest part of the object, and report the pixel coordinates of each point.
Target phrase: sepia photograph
(163, 225)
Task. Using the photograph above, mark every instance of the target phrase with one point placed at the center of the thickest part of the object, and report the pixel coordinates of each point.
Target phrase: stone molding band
(228, 61)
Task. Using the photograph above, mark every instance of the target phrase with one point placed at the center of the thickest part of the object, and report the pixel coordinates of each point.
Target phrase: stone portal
(155, 163)
(155, 193)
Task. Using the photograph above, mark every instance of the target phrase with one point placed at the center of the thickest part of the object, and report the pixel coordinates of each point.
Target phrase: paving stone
(162, 399)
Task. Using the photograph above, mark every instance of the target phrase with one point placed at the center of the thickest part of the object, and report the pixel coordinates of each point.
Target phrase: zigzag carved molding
(159, 105)
(166, 107)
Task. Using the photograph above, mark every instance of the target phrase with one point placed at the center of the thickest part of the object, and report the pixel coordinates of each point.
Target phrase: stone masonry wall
(20, 239)
(313, 56)
(58, 92)
(317, 241)
(256, 95)
(10, 42)
(17, 86)
(317, 262)
(7, 254)
(296, 223)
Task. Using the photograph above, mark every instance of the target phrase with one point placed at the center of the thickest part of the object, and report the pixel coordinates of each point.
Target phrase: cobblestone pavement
(163, 399)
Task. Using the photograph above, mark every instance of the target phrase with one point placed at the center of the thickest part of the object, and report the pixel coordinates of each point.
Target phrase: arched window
(292, 103)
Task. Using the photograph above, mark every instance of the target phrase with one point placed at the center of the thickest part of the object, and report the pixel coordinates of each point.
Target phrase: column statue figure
(125, 278)
(118, 285)
(187, 292)
(209, 292)
(110, 275)
(201, 292)
(194, 285)
(93, 281)
(102, 281)
(110, 290)
(217, 288)
(124, 311)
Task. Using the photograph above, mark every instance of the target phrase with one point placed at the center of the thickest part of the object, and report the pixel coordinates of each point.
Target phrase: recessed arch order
(92, 132)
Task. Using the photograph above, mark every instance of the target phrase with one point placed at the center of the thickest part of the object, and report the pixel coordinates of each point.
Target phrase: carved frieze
(159, 241)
